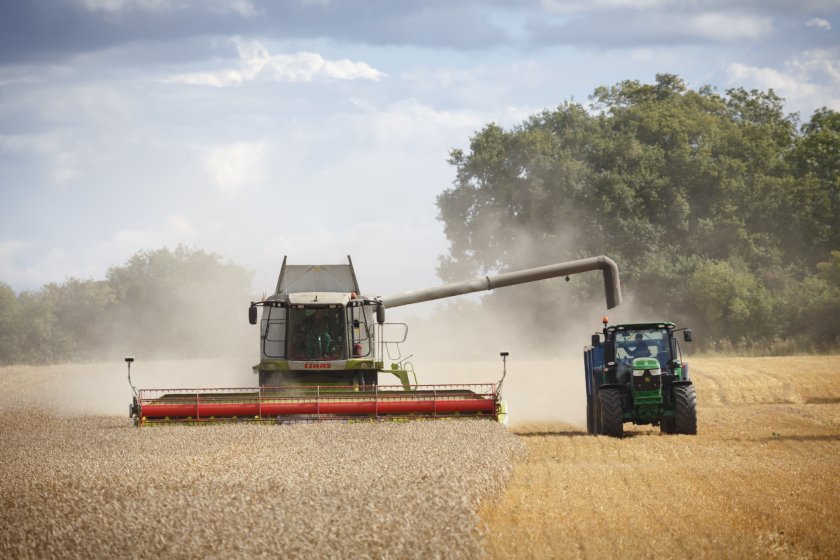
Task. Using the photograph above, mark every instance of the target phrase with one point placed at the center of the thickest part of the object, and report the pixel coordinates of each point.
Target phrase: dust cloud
(460, 342)
(103, 388)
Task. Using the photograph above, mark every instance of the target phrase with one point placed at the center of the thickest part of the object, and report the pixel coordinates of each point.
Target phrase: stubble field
(760, 479)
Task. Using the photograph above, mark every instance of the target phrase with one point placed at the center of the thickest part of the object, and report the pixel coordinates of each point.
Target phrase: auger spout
(612, 282)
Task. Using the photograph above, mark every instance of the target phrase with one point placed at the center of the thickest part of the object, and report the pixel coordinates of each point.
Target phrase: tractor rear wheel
(685, 406)
(612, 414)
(666, 425)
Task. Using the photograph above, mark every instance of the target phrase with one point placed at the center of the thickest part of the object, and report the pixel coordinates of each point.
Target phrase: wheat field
(759, 480)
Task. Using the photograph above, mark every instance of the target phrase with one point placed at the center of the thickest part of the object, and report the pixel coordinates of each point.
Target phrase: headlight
(641, 372)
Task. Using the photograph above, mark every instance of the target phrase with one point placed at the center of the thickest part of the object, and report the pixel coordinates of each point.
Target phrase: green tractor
(636, 373)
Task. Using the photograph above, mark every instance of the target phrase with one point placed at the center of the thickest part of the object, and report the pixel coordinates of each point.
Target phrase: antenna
(128, 360)
(504, 356)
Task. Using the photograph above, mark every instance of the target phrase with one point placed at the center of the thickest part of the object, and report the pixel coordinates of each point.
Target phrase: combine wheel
(612, 415)
(685, 404)
(666, 425)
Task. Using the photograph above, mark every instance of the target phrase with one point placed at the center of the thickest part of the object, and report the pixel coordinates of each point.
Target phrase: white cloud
(62, 162)
(17, 144)
(181, 224)
(19, 268)
(11, 248)
(66, 168)
(237, 166)
(256, 63)
(243, 8)
(574, 6)
(412, 125)
(118, 6)
(631, 22)
(725, 27)
(819, 23)
(810, 80)
(25, 265)
(768, 78)
(175, 229)
(138, 238)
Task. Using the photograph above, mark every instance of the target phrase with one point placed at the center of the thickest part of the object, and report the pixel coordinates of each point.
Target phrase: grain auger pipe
(612, 283)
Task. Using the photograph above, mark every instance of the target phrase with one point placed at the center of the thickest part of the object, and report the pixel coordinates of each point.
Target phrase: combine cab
(323, 348)
(636, 373)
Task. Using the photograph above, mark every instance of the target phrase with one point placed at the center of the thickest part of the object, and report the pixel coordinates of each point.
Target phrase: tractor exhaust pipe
(612, 283)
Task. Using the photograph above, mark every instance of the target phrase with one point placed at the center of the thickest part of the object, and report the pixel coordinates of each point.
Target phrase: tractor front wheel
(685, 407)
(612, 414)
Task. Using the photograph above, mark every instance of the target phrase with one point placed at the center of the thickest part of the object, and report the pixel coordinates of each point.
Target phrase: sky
(321, 128)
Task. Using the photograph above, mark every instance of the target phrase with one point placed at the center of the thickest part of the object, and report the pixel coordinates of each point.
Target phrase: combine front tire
(685, 406)
(612, 415)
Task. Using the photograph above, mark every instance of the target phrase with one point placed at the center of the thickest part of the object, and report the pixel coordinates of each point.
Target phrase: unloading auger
(323, 348)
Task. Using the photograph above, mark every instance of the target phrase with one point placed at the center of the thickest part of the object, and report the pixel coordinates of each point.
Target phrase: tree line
(720, 209)
(162, 303)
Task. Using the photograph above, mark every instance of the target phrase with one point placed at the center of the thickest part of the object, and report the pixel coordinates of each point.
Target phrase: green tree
(183, 303)
(815, 205)
(813, 305)
(9, 325)
(729, 302)
(675, 184)
(80, 312)
(36, 331)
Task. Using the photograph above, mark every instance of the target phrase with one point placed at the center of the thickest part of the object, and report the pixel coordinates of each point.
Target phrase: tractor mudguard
(684, 382)
(611, 385)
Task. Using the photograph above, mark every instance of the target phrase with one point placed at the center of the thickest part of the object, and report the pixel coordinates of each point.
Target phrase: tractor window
(632, 343)
(316, 333)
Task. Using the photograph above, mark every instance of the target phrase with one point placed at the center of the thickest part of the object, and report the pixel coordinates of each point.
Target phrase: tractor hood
(640, 364)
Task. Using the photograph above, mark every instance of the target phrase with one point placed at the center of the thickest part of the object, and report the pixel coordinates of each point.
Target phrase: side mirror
(252, 314)
(687, 335)
(596, 339)
(380, 314)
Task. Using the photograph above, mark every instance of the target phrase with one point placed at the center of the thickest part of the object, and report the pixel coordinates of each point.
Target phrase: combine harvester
(323, 348)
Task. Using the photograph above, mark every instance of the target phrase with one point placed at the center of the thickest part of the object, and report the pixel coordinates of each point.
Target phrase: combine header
(323, 348)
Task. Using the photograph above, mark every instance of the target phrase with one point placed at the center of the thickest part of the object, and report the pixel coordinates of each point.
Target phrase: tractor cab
(642, 346)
